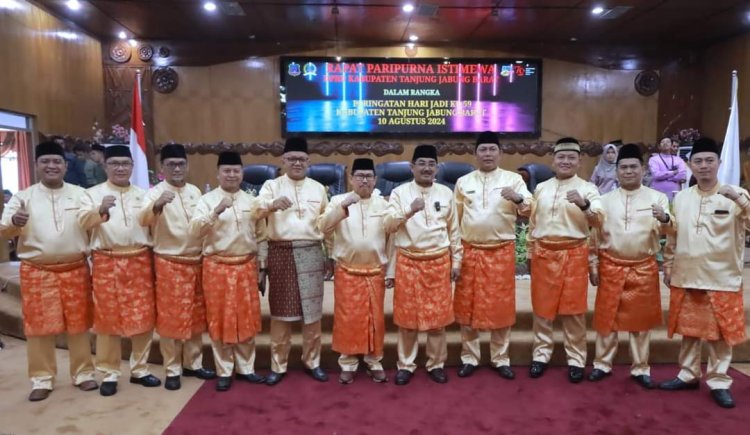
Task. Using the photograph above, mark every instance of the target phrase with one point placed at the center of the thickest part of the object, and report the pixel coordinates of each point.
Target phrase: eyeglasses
(119, 164)
(175, 165)
(364, 177)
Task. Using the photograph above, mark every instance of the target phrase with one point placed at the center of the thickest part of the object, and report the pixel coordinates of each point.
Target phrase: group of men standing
(184, 264)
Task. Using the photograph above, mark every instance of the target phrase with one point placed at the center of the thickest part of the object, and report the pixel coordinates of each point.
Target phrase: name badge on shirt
(722, 212)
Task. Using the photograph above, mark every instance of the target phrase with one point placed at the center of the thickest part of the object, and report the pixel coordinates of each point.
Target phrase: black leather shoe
(201, 373)
(403, 377)
(723, 398)
(252, 378)
(172, 383)
(505, 372)
(537, 369)
(466, 370)
(438, 375)
(224, 383)
(597, 375)
(575, 374)
(644, 381)
(108, 389)
(146, 381)
(678, 384)
(318, 374)
(274, 378)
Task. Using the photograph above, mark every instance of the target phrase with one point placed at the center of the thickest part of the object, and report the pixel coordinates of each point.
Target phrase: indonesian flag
(138, 139)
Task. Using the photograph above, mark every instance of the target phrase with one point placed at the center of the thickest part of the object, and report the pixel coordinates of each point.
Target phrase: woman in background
(605, 174)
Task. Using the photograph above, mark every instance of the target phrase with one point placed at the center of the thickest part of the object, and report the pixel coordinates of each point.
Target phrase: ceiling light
(132, 42)
(338, 58)
(413, 38)
(573, 39)
(209, 6)
(73, 5)
(597, 10)
(122, 35)
(407, 8)
(67, 35)
(9, 4)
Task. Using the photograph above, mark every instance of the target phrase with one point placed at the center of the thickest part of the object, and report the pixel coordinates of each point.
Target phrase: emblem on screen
(294, 69)
(310, 70)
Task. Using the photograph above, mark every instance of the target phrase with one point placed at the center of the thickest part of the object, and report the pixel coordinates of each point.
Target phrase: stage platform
(663, 349)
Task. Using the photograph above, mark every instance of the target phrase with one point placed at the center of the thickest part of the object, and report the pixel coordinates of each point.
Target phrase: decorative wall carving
(380, 148)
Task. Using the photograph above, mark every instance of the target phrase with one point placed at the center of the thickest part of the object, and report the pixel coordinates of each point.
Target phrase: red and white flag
(138, 139)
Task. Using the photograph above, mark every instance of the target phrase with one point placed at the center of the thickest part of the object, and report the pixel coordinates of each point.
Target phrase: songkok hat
(630, 151)
(488, 137)
(49, 148)
(363, 165)
(424, 152)
(117, 151)
(298, 144)
(616, 142)
(97, 147)
(567, 144)
(229, 158)
(173, 151)
(705, 145)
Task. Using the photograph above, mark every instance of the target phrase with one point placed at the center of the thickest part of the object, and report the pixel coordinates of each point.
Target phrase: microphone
(437, 205)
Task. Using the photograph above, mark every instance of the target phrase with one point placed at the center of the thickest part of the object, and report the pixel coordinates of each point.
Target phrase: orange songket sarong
(230, 286)
(180, 307)
(486, 291)
(710, 315)
(559, 278)
(422, 298)
(123, 292)
(628, 297)
(56, 298)
(358, 319)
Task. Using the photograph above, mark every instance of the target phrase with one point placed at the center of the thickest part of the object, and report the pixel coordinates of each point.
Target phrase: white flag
(729, 171)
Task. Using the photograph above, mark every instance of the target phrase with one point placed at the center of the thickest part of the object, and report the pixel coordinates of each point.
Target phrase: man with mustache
(627, 274)
(180, 308)
(293, 204)
(564, 209)
(703, 263)
(424, 218)
(234, 249)
(123, 276)
(360, 241)
(55, 282)
(488, 202)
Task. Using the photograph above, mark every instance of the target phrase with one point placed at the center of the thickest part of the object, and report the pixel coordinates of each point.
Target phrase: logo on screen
(294, 69)
(310, 70)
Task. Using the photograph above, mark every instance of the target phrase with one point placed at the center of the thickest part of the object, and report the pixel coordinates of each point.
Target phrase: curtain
(18, 141)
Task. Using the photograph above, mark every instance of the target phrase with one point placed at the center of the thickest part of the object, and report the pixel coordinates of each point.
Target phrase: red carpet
(482, 404)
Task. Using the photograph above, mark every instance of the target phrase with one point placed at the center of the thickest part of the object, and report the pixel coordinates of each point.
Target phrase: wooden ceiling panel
(653, 31)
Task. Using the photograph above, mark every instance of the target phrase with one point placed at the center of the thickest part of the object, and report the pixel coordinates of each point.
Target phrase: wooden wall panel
(238, 102)
(716, 84)
(58, 80)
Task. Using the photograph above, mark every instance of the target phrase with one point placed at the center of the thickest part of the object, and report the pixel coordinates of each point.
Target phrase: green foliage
(522, 230)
